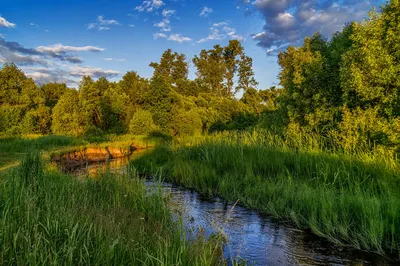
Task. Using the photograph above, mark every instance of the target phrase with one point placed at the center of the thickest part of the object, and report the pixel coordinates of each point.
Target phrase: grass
(47, 217)
(349, 199)
(13, 149)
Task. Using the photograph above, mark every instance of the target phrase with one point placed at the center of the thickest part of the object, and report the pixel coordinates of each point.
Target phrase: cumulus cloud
(70, 75)
(80, 71)
(206, 11)
(288, 22)
(159, 35)
(149, 5)
(168, 12)
(102, 24)
(164, 25)
(221, 31)
(59, 48)
(178, 38)
(53, 63)
(172, 37)
(5, 23)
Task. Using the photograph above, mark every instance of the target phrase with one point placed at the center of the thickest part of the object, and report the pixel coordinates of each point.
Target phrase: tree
(370, 71)
(231, 61)
(52, 93)
(159, 100)
(211, 69)
(90, 97)
(246, 74)
(173, 67)
(67, 118)
(253, 100)
(141, 123)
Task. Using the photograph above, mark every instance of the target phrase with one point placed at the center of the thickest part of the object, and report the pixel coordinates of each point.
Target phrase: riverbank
(349, 199)
(13, 149)
(48, 217)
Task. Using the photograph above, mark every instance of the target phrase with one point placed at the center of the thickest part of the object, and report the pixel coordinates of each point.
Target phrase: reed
(48, 218)
(351, 199)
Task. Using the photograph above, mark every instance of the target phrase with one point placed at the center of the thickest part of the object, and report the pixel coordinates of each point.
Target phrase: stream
(257, 239)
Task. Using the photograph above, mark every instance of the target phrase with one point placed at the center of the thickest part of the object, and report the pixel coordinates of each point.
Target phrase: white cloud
(164, 25)
(102, 24)
(221, 31)
(79, 71)
(112, 59)
(59, 48)
(179, 38)
(168, 12)
(206, 11)
(103, 21)
(5, 23)
(219, 24)
(214, 35)
(131, 25)
(288, 22)
(149, 5)
(159, 35)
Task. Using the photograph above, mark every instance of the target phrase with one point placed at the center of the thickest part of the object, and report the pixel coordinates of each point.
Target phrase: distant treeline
(346, 89)
(168, 103)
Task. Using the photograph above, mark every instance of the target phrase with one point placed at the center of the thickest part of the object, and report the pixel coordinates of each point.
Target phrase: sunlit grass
(349, 199)
(47, 217)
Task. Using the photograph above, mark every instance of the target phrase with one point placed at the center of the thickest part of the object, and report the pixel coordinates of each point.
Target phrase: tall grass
(47, 217)
(349, 199)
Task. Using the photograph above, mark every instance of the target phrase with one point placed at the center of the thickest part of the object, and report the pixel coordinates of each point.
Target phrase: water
(257, 239)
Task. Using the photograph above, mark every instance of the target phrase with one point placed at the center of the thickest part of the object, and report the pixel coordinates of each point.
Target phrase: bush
(95, 134)
(141, 123)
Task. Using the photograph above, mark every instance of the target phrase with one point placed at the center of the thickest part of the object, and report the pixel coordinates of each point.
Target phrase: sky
(63, 40)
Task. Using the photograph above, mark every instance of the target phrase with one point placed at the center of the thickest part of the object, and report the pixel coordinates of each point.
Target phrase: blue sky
(63, 40)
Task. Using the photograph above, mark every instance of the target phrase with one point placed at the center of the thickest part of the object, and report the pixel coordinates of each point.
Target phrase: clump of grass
(349, 199)
(47, 217)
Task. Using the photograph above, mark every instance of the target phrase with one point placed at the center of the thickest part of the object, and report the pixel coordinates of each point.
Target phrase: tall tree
(246, 74)
(231, 53)
(211, 69)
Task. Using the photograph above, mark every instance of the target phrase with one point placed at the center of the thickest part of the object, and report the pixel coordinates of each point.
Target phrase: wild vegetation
(349, 199)
(320, 150)
(50, 218)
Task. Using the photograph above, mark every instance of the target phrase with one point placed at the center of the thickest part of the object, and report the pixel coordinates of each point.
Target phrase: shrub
(141, 123)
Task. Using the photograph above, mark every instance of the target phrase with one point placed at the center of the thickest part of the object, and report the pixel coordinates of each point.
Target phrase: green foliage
(141, 123)
(186, 122)
(94, 134)
(67, 115)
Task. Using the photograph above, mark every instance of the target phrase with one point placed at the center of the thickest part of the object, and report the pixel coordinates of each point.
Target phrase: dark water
(255, 238)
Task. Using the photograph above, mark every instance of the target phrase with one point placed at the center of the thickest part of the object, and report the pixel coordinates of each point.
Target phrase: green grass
(349, 199)
(12, 150)
(49, 218)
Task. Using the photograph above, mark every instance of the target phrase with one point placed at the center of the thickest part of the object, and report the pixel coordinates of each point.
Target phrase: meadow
(48, 217)
(350, 199)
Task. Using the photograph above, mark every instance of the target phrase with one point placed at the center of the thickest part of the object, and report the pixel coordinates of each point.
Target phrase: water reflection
(251, 236)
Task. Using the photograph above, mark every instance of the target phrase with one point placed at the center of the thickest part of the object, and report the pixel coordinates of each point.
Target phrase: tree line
(169, 102)
(345, 88)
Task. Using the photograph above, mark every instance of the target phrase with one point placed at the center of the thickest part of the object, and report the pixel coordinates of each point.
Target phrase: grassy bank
(47, 217)
(13, 149)
(349, 199)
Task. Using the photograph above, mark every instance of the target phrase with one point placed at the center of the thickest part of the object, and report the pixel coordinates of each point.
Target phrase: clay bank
(79, 157)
